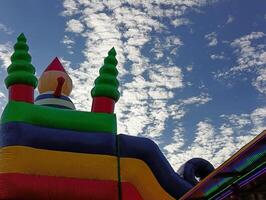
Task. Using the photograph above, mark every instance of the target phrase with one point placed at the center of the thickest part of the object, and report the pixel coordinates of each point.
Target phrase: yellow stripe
(20, 159)
(139, 174)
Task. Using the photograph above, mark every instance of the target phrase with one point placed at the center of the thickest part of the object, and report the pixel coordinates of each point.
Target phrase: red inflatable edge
(24, 186)
(103, 105)
(21, 92)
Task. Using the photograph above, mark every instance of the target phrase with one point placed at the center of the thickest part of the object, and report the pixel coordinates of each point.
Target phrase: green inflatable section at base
(59, 118)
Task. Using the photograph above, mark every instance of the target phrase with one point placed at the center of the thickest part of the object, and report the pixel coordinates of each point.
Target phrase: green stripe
(59, 118)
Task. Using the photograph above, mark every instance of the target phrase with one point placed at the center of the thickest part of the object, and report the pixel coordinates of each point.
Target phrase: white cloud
(204, 146)
(217, 57)
(263, 57)
(212, 39)
(5, 53)
(216, 142)
(251, 57)
(71, 7)
(169, 77)
(247, 124)
(2, 95)
(3, 101)
(166, 45)
(189, 68)
(230, 19)
(74, 26)
(180, 21)
(239, 121)
(177, 141)
(258, 118)
(5, 29)
(197, 100)
(69, 42)
(260, 82)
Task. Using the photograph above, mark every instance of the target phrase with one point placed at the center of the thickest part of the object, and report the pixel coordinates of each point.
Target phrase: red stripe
(21, 92)
(32, 187)
(103, 105)
(22, 186)
(129, 192)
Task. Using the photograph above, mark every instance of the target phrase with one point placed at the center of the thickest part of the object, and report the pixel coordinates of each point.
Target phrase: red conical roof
(55, 66)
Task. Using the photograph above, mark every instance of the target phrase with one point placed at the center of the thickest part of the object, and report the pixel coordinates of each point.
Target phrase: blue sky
(192, 73)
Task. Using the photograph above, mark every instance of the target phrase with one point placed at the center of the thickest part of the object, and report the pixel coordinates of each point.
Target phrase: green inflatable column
(21, 80)
(105, 92)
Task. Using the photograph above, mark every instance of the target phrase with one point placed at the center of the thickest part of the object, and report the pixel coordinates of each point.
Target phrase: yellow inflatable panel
(48, 82)
(27, 160)
(139, 174)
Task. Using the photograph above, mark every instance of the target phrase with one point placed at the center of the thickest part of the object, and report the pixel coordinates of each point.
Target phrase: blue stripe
(146, 150)
(56, 106)
(49, 96)
(17, 133)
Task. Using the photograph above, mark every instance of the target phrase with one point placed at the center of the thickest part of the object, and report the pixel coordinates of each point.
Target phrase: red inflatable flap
(33, 187)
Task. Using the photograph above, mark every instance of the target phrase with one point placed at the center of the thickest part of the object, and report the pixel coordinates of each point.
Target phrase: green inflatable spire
(21, 71)
(106, 85)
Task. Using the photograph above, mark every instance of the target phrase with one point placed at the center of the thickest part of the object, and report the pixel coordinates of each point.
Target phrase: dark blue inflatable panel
(197, 167)
(146, 150)
(17, 133)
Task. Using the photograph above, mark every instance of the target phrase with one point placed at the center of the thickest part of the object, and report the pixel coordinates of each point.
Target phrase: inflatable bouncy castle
(49, 150)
